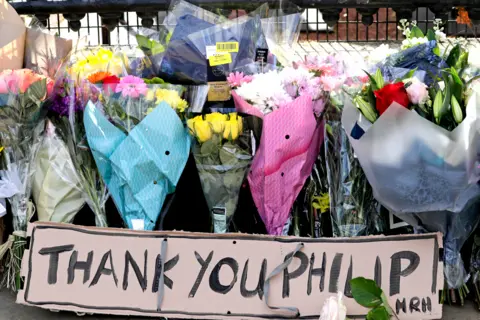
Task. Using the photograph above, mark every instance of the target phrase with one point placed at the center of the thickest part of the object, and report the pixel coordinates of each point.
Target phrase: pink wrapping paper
(290, 143)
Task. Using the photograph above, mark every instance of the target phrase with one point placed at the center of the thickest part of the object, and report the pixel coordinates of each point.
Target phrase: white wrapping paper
(414, 165)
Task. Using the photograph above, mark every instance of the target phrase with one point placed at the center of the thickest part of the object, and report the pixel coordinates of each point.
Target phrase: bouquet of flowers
(140, 145)
(22, 97)
(84, 63)
(418, 146)
(353, 209)
(223, 155)
(66, 113)
(56, 186)
(290, 102)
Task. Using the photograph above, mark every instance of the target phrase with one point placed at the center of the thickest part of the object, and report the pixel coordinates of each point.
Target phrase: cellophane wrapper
(353, 208)
(426, 175)
(66, 113)
(222, 171)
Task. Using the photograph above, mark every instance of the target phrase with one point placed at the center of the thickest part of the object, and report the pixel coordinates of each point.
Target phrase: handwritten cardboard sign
(195, 276)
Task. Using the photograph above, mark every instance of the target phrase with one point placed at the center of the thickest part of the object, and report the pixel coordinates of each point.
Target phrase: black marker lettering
(414, 304)
(378, 272)
(335, 273)
(320, 272)
(396, 269)
(401, 305)
(142, 279)
(203, 268)
(287, 276)
(105, 271)
(261, 281)
(215, 284)
(54, 252)
(426, 305)
(158, 269)
(348, 288)
(74, 264)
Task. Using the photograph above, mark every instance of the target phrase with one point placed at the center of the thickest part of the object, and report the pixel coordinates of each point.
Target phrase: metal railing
(105, 21)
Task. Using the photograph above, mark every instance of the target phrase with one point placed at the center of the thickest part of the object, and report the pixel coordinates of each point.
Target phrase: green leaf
(416, 32)
(386, 304)
(454, 56)
(379, 79)
(37, 91)
(409, 74)
(373, 82)
(431, 35)
(379, 313)
(366, 292)
(149, 46)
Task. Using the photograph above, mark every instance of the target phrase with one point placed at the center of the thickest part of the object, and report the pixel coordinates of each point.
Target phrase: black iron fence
(106, 21)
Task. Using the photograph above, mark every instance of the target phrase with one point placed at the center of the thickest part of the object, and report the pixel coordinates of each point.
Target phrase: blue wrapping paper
(143, 167)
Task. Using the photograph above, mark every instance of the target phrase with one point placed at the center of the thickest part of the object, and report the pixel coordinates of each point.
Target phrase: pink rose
(18, 81)
(417, 92)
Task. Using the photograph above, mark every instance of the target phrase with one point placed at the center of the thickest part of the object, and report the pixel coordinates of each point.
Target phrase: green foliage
(150, 47)
(367, 294)
(416, 32)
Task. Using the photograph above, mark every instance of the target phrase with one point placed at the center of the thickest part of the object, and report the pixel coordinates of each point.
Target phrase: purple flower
(69, 97)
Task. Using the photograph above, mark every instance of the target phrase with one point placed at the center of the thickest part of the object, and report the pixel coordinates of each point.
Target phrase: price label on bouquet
(211, 276)
(219, 59)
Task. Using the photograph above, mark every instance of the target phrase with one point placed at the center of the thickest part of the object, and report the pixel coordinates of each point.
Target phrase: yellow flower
(150, 95)
(217, 121)
(172, 98)
(233, 127)
(1, 148)
(200, 128)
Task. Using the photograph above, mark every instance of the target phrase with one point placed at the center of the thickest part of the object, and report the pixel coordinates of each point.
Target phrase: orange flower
(98, 77)
(462, 17)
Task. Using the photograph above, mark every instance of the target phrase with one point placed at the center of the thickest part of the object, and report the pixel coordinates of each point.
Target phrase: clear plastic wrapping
(223, 153)
(66, 113)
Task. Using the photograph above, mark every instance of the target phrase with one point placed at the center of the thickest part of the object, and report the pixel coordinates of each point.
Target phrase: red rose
(389, 94)
(110, 83)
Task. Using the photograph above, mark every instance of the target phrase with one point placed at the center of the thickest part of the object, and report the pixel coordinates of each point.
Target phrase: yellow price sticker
(220, 59)
(227, 47)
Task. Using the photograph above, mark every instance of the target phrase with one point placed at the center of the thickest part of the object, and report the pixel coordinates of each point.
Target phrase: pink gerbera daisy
(131, 86)
(236, 79)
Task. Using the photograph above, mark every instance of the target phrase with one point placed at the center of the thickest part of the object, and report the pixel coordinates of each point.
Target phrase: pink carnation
(331, 83)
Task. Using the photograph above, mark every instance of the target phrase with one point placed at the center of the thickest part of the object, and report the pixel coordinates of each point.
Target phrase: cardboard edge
(187, 234)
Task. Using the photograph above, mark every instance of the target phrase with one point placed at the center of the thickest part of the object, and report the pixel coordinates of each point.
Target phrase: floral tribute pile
(202, 129)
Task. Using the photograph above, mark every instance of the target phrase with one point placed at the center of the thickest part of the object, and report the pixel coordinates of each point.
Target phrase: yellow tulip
(233, 128)
(217, 121)
(202, 130)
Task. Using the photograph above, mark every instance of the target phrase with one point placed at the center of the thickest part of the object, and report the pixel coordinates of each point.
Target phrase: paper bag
(12, 41)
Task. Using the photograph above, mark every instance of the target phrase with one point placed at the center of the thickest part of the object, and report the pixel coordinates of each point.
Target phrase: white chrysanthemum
(408, 43)
(380, 54)
(265, 92)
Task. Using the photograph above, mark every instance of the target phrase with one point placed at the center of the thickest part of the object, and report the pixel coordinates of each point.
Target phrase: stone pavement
(9, 310)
